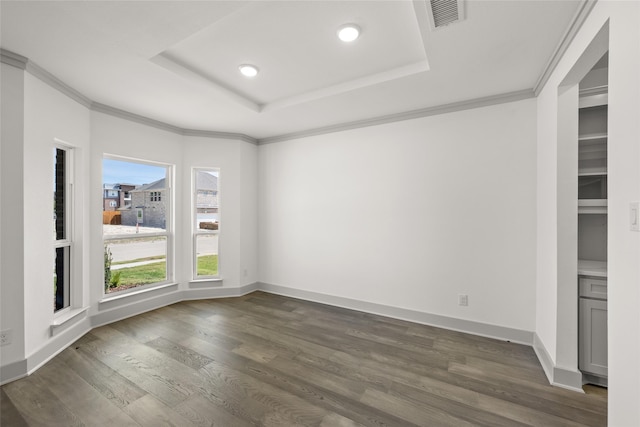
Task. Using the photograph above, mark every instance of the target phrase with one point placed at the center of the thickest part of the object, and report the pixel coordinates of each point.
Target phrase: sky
(123, 172)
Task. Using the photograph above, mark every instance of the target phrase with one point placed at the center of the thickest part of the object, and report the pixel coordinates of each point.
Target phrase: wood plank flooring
(267, 360)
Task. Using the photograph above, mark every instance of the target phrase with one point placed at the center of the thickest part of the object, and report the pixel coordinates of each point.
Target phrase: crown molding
(48, 78)
(24, 63)
(13, 59)
(220, 135)
(414, 114)
(576, 23)
(122, 114)
(19, 61)
(126, 115)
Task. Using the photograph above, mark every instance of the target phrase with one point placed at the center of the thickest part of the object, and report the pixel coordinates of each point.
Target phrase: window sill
(64, 318)
(136, 292)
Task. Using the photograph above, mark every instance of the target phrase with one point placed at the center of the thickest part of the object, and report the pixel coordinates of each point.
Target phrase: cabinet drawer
(593, 288)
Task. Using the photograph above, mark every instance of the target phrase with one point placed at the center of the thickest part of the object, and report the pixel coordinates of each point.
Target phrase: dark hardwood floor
(267, 360)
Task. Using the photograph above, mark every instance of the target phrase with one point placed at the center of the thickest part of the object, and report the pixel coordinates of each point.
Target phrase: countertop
(592, 268)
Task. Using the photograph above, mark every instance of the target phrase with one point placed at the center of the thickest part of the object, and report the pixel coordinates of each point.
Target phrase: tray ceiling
(177, 61)
(298, 53)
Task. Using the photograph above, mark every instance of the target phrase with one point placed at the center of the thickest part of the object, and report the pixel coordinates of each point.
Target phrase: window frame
(168, 232)
(67, 242)
(196, 232)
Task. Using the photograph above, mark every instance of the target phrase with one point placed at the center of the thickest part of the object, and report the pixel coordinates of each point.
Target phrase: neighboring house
(206, 193)
(148, 206)
(148, 202)
(110, 197)
(116, 196)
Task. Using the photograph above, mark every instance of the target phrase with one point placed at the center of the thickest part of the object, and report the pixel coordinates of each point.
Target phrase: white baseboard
(218, 292)
(20, 369)
(104, 317)
(559, 377)
(543, 356)
(476, 328)
(57, 344)
(112, 311)
(567, 378)
(13, 371)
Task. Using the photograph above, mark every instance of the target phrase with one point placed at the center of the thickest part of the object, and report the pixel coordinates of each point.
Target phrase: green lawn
(208, 265)
(143, 274)
(157, 272)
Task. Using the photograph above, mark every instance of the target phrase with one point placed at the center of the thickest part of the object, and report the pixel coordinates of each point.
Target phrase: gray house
(148, 202)
(148, 206)
(206, 193)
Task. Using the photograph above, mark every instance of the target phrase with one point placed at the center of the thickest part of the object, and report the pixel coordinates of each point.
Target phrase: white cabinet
(592, 357)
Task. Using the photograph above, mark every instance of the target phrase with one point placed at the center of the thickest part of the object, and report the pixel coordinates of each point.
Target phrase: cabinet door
(593, 336)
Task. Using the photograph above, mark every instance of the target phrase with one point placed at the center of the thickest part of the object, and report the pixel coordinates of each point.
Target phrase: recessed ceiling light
(248, 70)
(348, 33)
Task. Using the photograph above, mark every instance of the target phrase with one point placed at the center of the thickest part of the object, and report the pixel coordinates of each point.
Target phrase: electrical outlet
(463, 300)
(634, 216)
(5, 337)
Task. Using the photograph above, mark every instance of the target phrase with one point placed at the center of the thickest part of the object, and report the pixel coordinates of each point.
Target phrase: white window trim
(74, 261)
(196, 232)
(168, 233)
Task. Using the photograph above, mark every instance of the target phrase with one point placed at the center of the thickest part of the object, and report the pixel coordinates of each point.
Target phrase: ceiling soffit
(295, 47)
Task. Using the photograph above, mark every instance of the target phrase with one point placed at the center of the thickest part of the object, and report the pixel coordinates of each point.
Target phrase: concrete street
(153, 246)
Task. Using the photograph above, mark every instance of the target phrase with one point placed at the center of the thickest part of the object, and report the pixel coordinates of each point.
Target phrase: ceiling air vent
(444, 12)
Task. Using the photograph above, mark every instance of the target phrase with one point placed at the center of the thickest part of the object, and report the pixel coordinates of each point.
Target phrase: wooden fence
(111, 217)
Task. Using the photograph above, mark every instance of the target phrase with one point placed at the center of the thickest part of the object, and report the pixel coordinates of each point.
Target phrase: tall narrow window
(206, 226)
(61, 229)
(137, 235)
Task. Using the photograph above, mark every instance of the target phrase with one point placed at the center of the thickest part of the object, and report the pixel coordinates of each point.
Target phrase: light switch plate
(634, 216)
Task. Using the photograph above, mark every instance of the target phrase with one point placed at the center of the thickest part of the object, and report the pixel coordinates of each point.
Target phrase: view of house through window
(136, 223)
(207, 222)
(61, 232)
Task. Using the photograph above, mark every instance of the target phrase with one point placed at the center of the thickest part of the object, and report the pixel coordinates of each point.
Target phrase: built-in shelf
(592, 173)
(592, 137)
(592, 229)
(592, 268)
(593, 99)
(592, 206)
(592, 202)
(592, 154)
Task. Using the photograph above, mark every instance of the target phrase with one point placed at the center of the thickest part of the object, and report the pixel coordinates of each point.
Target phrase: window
(206, 223)
(113, 203)
(137, 248)
(61, 228)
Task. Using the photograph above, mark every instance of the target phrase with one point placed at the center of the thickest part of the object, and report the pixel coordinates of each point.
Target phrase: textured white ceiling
(176, 61)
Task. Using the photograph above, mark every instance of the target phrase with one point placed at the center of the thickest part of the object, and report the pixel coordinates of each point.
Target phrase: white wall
(624, 245)
(624, 186)
(238, 235)
(547, 226)
(12, 211)
(49, 115)
(409, 214)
